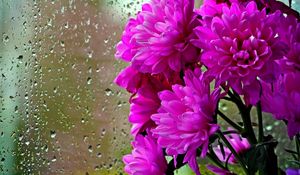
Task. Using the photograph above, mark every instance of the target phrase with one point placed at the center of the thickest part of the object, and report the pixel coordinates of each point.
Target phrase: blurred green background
(60, 112)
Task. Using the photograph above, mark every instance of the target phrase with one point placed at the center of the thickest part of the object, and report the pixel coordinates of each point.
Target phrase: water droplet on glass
(97, 167)
(20, 57)
(55, 90)
(66, 25)
(62, 43)
(269, 127)
(52, 134)
(90, 54)
(54, 159)
(108, 92)
(16, 109)
(89, 80)
(106, 41)
(99, 155)
(5, 38)
(90, 148)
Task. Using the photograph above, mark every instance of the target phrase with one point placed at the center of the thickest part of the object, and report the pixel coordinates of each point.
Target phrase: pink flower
(239, 48)
(147, 157)
(144, 102)
(184, 122)
(293, 171)
(239, 144)
(289, 31)
(294, 54)
(282, 99)
(129, 79)
(211, 8)
(143, 105)
(158, 39)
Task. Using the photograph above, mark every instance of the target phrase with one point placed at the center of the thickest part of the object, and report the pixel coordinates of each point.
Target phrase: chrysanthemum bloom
(282, 99)
(239, 48)
(211, 8)
(144, 102)
(158, 40)
(271, 6)
(293, 171)
(290, 34)
(239, 144)
(147, 157)
(143, 105)
(219, 171)
(293, 58)
(129, 79)
(184, 122)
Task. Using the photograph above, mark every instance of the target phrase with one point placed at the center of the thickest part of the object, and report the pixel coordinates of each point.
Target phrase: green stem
(171, 166)
(260, 123)
(212, 156)
(227, 143)
(245, 113)
(297, 137)
(233, 124)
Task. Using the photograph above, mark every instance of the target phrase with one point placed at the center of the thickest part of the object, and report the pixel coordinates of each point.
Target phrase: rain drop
(52, 134)
(90, 148)
(108, 92)
(89, 80)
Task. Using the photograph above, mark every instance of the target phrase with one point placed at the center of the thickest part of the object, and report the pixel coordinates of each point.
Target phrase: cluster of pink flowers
(185, 59)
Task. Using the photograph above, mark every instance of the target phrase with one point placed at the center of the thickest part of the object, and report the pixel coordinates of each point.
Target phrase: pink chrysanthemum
(293, 58)
(185, 117)
(158, 40)
(147, 157)
(282, 99)
(239, 48)
(211, 8)
(289, 31)
(144, 102)
(129, 79)
(143, 105)
(239, 144)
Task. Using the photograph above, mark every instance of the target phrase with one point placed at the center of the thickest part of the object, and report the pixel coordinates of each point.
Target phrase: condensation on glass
(60, 111)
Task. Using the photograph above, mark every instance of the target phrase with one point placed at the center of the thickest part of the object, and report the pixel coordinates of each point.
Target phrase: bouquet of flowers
(185, 60)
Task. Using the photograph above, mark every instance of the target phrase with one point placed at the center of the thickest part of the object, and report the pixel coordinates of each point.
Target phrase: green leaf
(291, 151)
